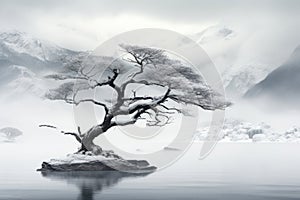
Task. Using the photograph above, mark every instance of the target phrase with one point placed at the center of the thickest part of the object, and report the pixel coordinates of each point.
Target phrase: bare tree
(175, 83)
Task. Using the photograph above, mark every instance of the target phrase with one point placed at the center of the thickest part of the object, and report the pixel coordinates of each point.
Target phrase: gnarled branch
(76, 135)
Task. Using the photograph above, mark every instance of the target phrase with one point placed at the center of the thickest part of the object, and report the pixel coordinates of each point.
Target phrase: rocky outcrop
(79, 162)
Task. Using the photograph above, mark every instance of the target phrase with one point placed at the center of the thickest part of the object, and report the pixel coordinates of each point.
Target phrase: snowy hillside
(238, 80)
(214, 34)
(222, 44)
(18, 48)
(237, 56)
(24, 60)
(40, 57)
(23, 43)
(21, 80)
(219, 41)
(282, 84)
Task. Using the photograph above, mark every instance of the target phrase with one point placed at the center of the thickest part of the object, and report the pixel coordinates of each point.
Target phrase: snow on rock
(254, 131)
(108, 161)
(290, 135)
(77, 158)
(235, 130)
(259, 138)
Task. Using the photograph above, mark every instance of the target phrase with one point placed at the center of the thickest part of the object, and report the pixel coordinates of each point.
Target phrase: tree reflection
(88, 182)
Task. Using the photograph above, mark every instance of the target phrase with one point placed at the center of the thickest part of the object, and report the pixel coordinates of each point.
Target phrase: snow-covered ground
(241, 131)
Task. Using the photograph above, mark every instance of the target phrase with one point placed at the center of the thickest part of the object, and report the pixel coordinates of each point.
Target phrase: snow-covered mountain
(23, 43)
(281, 85)
(18, 48)
(238, 80)
(21, 80)
(214, 34)
(219, 42)
(24, 60)
(239, 73)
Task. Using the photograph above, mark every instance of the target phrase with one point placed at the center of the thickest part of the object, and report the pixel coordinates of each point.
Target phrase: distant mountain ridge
(282, 84)
(213, 34)
(238, 80)
(24, 60)
(19, 48)
(21, 52)
(224, 44)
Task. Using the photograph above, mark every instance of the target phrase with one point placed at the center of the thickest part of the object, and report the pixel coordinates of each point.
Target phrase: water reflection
(89, 183)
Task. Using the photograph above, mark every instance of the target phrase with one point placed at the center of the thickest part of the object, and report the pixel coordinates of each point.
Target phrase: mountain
(24, 60)
(214, 34)
(239, 56)
(20, 80)
(220, 42)
(223, 46)
(238, 80)
(282, 84)
(18, 48)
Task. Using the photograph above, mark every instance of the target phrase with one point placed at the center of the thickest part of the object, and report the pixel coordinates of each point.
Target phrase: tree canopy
(167, 83)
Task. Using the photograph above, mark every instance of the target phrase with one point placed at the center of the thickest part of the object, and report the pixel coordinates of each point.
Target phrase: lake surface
(231, 171)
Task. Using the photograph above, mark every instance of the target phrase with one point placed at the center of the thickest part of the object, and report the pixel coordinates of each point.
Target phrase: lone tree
(168, 83)
(10, 133)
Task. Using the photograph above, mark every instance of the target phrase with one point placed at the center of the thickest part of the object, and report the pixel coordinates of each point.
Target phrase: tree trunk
(88, 140)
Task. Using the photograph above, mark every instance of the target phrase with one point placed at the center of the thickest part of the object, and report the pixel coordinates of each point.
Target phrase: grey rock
(131, 166)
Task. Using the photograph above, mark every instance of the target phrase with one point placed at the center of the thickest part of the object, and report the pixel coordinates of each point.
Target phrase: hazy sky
(85, 24)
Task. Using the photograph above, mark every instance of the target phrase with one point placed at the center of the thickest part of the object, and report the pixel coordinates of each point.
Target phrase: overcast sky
(84, 25)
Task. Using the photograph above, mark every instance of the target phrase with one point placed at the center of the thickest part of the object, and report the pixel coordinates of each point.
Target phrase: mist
(251, 147)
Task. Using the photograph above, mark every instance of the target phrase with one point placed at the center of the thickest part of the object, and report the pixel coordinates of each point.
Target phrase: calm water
(232, 171)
